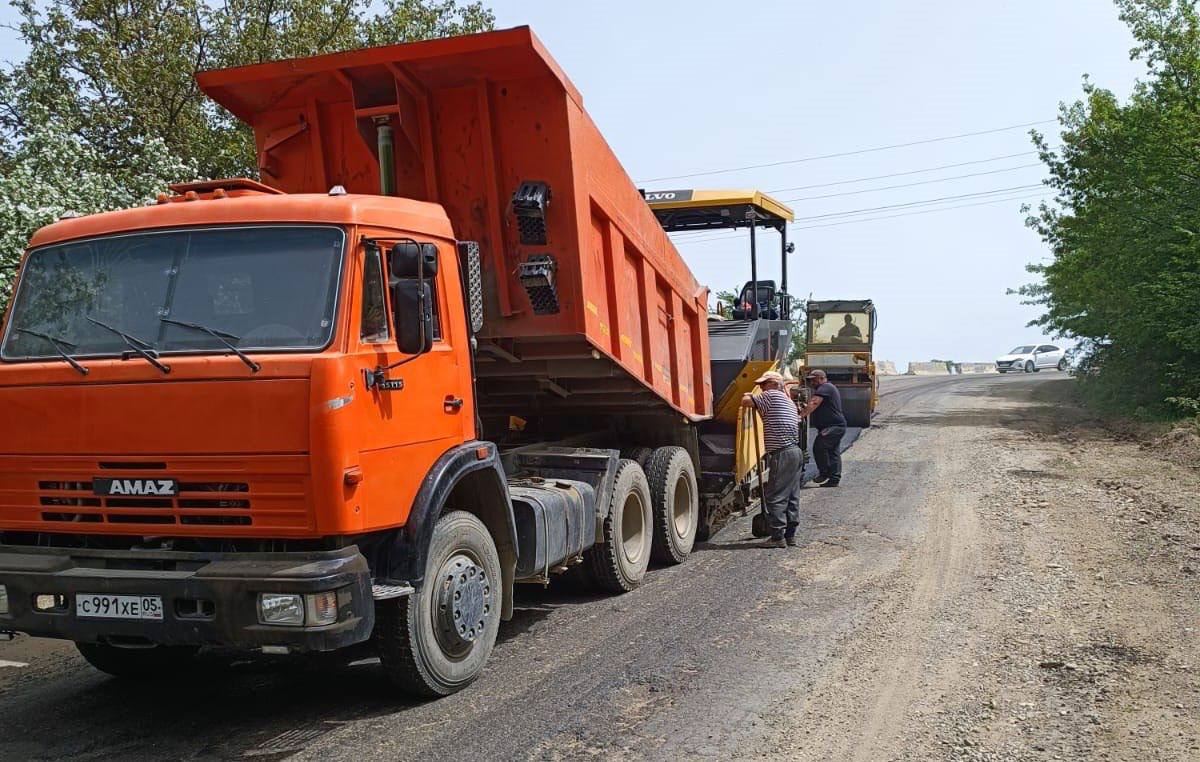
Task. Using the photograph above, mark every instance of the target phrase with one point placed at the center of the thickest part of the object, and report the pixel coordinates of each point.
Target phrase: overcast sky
(688, 86)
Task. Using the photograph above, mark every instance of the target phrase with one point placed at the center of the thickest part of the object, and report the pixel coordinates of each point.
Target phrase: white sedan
(1030, 358)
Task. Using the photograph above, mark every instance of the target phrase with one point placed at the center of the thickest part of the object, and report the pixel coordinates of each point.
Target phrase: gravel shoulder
(1050, 612)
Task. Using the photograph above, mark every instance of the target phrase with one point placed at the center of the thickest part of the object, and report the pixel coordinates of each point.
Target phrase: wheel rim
(682, 509)
(633, 529)
(464, 605)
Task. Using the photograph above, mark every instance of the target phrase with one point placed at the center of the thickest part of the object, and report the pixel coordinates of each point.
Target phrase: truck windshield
(840, 328)
(267, 288)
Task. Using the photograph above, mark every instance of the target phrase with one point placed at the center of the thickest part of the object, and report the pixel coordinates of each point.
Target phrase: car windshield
(841, 328)
(1022, 350)
(263, 288)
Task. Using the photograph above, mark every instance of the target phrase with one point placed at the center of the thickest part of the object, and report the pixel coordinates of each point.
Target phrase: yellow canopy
(713, 209)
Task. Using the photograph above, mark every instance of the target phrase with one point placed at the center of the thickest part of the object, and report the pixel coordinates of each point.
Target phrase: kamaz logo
(136, 487)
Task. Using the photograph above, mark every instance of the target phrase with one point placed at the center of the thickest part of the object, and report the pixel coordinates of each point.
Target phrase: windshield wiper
(220, 336)
(135, 344)
(58, 345)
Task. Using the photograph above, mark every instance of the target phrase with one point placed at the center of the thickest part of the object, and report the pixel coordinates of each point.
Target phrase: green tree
(113, 81)
(1124, 277)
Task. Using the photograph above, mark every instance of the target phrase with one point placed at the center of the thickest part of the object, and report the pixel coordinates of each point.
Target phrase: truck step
(387, 592)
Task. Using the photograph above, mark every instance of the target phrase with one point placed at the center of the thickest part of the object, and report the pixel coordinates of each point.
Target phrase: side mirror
(410, 264)
(409, 259)
(412, 302)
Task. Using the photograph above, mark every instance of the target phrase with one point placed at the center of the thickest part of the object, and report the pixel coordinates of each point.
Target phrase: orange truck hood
(268, 415)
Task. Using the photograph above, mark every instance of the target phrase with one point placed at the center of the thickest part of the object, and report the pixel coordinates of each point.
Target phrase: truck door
(415, 411)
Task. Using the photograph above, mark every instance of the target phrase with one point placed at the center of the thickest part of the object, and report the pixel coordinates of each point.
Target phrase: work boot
(791, 541)
(772, 542)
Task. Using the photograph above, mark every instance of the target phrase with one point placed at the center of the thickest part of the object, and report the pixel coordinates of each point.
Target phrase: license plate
(98, 606)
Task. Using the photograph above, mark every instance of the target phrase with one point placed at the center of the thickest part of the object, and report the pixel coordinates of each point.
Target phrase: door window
(374, 299)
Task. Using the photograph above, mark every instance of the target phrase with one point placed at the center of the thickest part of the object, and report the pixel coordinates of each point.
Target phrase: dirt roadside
(1051, 610)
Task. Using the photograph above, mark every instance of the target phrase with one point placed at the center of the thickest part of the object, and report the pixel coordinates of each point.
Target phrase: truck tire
(157, 663)
(676, 502)
(639, 455)
(619, 564)
(437, 640)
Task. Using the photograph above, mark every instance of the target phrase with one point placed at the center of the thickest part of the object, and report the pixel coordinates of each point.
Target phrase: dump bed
(589, 306)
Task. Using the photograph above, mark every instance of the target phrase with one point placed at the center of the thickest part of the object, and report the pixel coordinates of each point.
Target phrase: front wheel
(155, 663)
(1029, 366)
(436, 641)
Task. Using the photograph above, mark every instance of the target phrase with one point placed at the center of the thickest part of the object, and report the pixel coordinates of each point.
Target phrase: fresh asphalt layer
(693, 663)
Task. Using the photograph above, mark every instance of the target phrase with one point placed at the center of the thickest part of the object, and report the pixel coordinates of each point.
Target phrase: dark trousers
(825, 452)
(782, 492)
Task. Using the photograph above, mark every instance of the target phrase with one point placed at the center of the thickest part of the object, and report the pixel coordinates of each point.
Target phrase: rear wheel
(639, 455)
(155, 663)
(1062, 365)
(675, 500)
(437, 640)
(619, 563)
(856, 406)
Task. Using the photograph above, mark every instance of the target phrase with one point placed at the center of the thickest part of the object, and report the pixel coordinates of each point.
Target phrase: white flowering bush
(52, 171)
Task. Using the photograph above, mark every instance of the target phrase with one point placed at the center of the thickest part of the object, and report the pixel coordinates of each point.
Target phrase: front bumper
(208, 598)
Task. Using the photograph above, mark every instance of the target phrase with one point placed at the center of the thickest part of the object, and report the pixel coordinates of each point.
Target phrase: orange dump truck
(361, 398)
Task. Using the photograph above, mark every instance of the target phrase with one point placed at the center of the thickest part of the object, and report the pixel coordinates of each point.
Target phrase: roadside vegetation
(1124, 228)
(103, 111)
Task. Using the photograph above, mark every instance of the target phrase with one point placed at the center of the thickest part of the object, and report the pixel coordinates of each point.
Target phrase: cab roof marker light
(337, 190)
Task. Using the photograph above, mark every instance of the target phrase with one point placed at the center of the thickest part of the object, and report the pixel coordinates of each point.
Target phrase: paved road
(695, 663)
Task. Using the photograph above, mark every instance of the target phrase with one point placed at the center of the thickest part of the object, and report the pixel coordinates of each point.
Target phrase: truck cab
(206, 387)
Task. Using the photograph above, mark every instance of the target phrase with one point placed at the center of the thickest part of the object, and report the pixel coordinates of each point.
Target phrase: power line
(857, 152)
(904, 205)
(910, 185)
(923, 211)
(869, 209)
(911, 213)
(903, 174)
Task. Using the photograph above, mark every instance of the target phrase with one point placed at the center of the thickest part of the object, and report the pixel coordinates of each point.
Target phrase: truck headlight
(281, 608)
(295, 610)
(3, 599)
